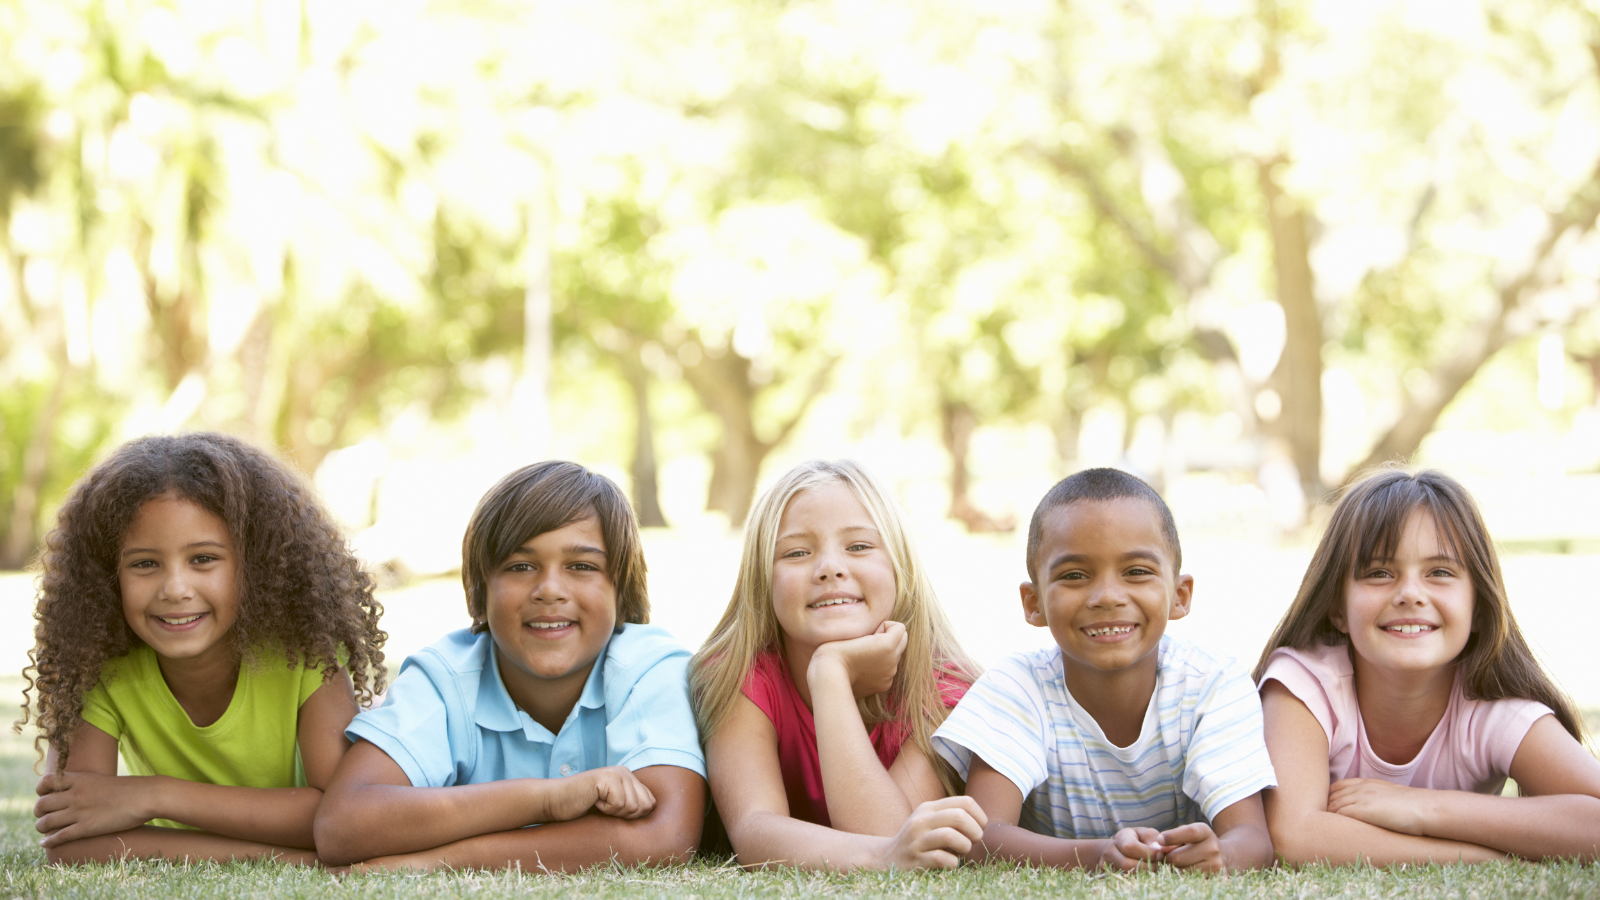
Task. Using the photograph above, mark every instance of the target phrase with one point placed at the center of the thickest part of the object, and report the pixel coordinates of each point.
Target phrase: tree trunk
(723, 383)
(1298, 377)
(1423, 408)
(532, 394)
(960, 421)
(23, 534)
(646, 498)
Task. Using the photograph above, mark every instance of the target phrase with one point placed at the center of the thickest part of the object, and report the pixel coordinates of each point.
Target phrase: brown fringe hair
(544, 497)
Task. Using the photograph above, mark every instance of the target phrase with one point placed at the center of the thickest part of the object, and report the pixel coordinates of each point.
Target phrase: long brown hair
(300, 589)
(1496, 663)
(750, 625)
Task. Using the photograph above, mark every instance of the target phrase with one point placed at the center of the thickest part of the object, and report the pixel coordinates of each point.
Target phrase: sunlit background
(1244, 248)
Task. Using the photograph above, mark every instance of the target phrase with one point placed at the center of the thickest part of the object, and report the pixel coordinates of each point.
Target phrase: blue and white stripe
(1199, 751)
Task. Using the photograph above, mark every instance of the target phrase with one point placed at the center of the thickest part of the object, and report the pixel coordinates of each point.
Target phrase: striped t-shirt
(1199, 751)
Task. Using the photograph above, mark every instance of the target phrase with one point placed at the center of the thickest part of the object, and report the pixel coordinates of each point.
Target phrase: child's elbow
(671, 841)
(332, 836)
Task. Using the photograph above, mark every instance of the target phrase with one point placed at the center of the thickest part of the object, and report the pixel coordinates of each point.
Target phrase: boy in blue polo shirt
(558, 708)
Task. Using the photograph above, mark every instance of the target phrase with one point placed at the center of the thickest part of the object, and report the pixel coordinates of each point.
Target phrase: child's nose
(1107, 592)
(1410, 589)
(829, 565)
(175, 586)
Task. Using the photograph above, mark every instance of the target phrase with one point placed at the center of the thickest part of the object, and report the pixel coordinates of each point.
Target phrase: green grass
(23, 874)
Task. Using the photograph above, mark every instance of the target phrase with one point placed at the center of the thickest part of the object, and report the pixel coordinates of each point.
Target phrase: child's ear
(1030, 605)
(1182, 597)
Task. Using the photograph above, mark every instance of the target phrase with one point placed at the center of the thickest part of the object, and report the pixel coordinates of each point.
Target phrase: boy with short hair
(1119, 746)
(559, 707)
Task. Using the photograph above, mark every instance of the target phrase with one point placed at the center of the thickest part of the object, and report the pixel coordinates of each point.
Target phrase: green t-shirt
(252, 745)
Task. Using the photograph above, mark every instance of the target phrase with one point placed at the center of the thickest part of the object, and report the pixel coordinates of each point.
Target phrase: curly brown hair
(300, 590)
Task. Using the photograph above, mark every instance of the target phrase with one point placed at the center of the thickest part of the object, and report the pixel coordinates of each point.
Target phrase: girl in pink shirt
(819, 690)
(1399, 694)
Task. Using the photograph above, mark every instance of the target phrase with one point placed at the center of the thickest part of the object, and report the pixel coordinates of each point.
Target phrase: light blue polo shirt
(447, 719)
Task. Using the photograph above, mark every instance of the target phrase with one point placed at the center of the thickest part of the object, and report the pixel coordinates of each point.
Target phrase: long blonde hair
(1496, 662)
(750, 625)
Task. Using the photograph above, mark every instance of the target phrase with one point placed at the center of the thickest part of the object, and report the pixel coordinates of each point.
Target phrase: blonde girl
(818, 691)
(1399, 694)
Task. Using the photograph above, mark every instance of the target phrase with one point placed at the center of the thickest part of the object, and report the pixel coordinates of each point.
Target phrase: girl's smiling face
(177, 573)
(1412, 613)
(832, 576)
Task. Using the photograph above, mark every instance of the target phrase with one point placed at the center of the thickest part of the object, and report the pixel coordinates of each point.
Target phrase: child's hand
(77, 805)
(1381, 803)
(612, 790)
(1193, 846)
(871, 661)
(936, 835)
(1132, 847)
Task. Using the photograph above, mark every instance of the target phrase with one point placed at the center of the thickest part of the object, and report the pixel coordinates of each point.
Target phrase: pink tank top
(771, 689)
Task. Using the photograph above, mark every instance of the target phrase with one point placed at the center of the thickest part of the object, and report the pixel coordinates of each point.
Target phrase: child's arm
(1004, 839)
(86, 802)
(1302, 827)
(1237, 841)
(1558, 818)
(863, 797)
(89, 814)
(372, 810)
(748, 786)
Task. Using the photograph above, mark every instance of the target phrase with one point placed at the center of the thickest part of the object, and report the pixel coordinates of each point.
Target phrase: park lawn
(23, 874)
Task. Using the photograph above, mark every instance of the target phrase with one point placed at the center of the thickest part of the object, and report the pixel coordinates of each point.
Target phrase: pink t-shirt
(1470, 750)
(771, 689)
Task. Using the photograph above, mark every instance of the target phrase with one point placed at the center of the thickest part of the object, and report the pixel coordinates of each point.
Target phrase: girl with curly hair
(200, 613)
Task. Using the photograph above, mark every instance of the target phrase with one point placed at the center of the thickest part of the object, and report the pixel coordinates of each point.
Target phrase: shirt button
(566, 770)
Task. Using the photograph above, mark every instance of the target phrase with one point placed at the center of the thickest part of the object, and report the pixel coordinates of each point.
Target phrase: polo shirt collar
(496, 711)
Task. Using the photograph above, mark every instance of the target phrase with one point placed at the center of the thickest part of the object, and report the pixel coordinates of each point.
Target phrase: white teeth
(1109, 629)
(547, 626)
(1409, 629)
(183, 621)
(837, 601)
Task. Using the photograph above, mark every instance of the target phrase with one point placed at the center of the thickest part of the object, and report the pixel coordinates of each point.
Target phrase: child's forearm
(862, 796)
(1017, 844)
(1320, 836)
(1246, 847)
(763, 838)
(1560, 826)
(670, 833)
(279, 817)
(149, 841)
(591, 840)
(358, 822)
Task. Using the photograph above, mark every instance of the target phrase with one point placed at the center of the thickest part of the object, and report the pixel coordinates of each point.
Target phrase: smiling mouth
(1109, 630)
(180, 620)
(832, 602)
(1409, 629)
(549, 626)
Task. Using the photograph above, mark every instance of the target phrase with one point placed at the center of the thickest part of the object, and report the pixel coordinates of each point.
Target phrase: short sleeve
(655, 724)
(761, 685)
(1001, 719)
(1291, 671)
(1497, 732)
(1226, 760)
(413, 727)
(99, 711)
(310, 680)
